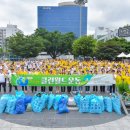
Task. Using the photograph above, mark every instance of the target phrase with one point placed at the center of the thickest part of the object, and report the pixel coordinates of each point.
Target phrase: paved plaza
(50, 120)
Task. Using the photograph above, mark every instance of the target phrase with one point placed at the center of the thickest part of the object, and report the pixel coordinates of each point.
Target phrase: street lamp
(81, 3)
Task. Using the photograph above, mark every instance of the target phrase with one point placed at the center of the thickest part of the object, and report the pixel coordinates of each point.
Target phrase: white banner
(102, 80)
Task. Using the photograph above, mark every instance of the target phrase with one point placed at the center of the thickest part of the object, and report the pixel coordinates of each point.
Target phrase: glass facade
(62, 18)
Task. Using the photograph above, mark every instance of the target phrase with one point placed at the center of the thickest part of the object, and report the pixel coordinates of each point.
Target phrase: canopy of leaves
(84, 46)
(25, 46)
(56, 43)
(110, 49)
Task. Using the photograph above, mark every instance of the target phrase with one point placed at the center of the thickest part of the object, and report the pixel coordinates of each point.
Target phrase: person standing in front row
(10, 73)
(2, 81)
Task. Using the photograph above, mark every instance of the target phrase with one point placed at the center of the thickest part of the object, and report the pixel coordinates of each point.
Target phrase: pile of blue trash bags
(97, 104)
(20, 103)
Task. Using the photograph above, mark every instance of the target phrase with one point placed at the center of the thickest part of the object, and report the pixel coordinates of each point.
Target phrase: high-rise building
(67, 17)
(101, 32)
(105, 34)
(8, 31)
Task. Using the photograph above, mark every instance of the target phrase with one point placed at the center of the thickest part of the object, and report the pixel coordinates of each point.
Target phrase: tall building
(101, 32)
(8, 31)
(67, 17)
(104, 34)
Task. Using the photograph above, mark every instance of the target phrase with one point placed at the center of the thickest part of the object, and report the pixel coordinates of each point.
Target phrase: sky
(107, 13)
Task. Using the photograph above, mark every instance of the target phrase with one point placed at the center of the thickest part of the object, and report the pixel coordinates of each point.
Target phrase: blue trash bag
(55, 105)
(116, 104)
(37, 102)
(11, 104)
(20, 106)
(19, 94)
(65, 96)
(84, 105)
(3, 102)
(44, 99)
(27, 99)
(101, 99)
(108, 104)
(56, 100)
(62, 105)
(77, 99)
(5, 96)
(95, 105)
(51, 99)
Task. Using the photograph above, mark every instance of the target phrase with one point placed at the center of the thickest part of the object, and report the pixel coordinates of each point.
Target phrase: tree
(56, 43)
(84, 46)
(1, 51)
(25, 46)
(110, 49)
(68, 39)
(127, 48)
(41, 32)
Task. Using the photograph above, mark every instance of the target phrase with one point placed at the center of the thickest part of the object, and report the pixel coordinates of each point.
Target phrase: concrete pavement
(50, 120)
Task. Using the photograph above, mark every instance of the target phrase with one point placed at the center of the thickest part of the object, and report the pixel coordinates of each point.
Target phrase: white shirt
(1, 67)
(2, 78)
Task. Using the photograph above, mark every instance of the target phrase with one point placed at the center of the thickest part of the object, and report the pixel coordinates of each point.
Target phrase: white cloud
(109, 13)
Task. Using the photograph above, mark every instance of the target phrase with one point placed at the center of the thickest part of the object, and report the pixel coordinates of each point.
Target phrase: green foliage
(25, 46)
(110, 49)
(84, 46)
(56, 43)
(123, 87)
(87, 46)
(1, 51)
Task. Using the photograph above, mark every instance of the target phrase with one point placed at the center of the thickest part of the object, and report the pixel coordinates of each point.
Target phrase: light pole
(81, 3)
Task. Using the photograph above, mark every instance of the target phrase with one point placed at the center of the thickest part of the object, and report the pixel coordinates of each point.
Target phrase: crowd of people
(60, 67)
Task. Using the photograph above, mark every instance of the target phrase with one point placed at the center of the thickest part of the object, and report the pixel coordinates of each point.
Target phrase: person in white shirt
(2, 81)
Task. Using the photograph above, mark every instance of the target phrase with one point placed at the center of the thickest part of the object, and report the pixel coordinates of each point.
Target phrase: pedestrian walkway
(50, 120)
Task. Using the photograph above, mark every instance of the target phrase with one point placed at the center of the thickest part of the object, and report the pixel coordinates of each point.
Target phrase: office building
(105, 34)
(67, 17)
(8, 31)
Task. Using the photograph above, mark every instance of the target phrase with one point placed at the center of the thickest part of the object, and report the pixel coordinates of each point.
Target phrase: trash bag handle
(39, 94)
